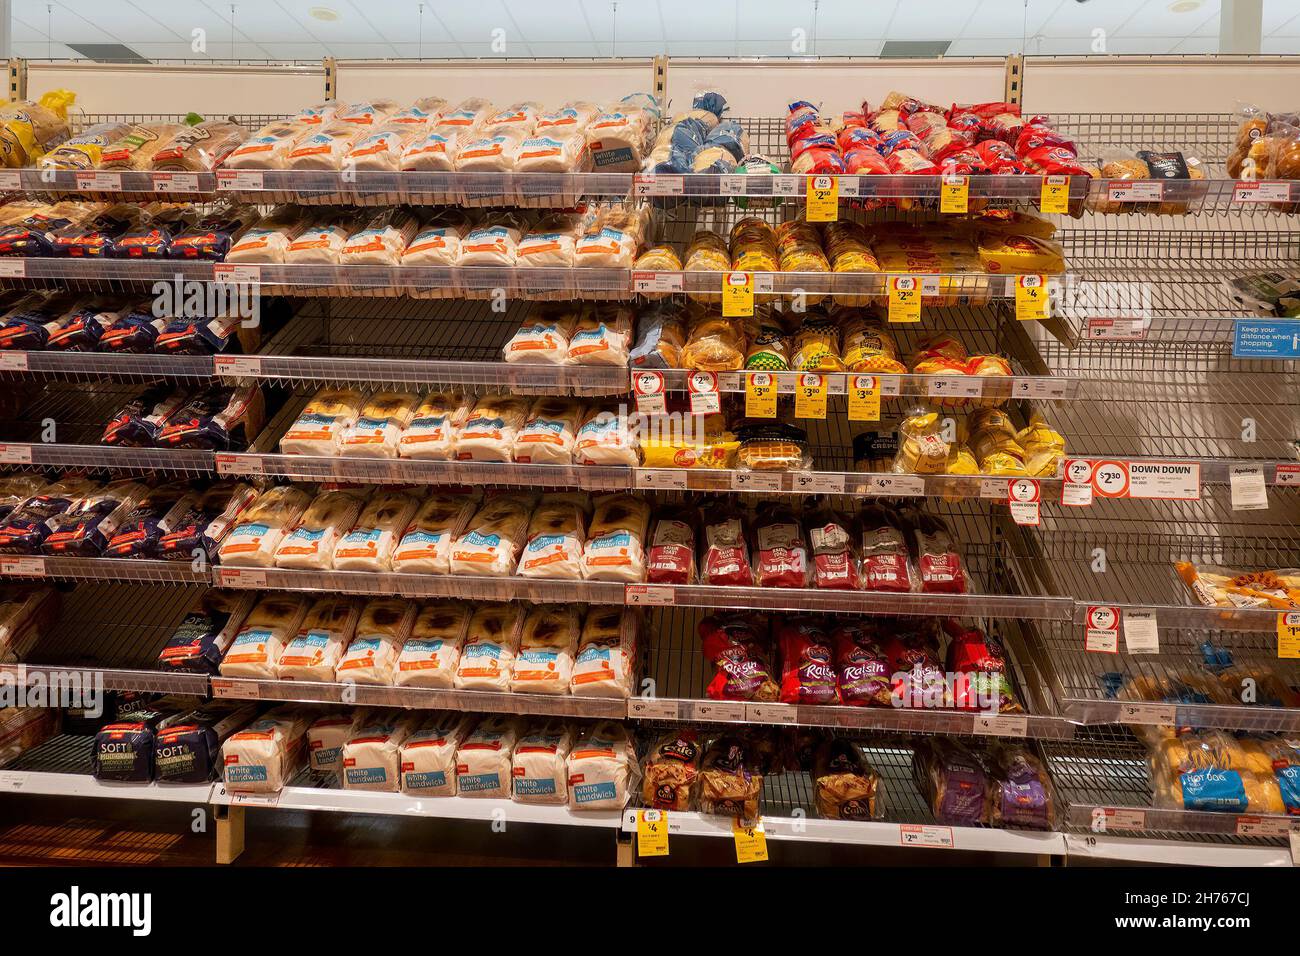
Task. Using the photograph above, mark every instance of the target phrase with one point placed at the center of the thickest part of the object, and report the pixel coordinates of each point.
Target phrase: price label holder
(760, 395)
(1288, 635)
(1147, 712)
(823, 199)
(772, 713)
(1136, 190)
(15, 454)
(13, 362)
(1141, 632)
(1001, 725)
(176, 182)
(1153, 480)
(751, 841)
(864, 398)
(237, 366)
(653, 184)
(1287, 476)
(1253, 826)
(703, 387)
(732, 185)
(904, 299)
(1249, 493)
(1117, 818)
(652, 708)
(895, 486)
(785, 184)
(994, 489)
(718, 711)
(658, 282)
(924, 834)
(239, 464)
(810, 396)
(819, 483)
(1101, 635)
(21, 567)
(661, 479)
(13, 269)
(241, 578)
(1031, 298)
(737, 295)
(1045, 388)
(954, 386)
(1054, 197)
(757, 481)
(1024, 496)
(239, 179)
(648, 387)
(1253, 192)
(11, 181)
(229, 273)
(651, 833)
(100, 182)
(954, 195)
(649, 595)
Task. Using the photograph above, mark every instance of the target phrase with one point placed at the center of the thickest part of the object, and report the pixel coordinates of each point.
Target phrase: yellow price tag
(651, 833)
(737, 294)
(1055, 195)
(1031, 298)
(904, 299)
(810, 396)
(760, 395)
(751, 842)
(864, 398)
(1288, 635)
(954, 194)
(823, 198)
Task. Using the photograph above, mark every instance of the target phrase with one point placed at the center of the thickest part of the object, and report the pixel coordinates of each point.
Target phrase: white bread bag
(603, 767)
(323, 148)
(550, 243)
(381, 150)
(431, 654)
(420, 115)
(491, 642)
(568, 121)
(369, 545)
(556, 535)
(615, 540)
(267, 240)
(542, 153)
(543, 336)
(310, 545)
(428, 756)
(367, 113)
(431, 433)
(617, 139)
(468, 116)
(322, 238)
(539, 765)
(517, 118)
(492, 541)
(544, 662)
(379, 427)
(317, 648)
(268, 148)
(602, 336)
(372, 756)
(371, 657)
(270, 625)
(483, 759)
(252, 542)
(382, 239)
(548, 434)
(607, 651)
(266, 754)
(436, 243)
(604, 439)
(434, 151)
(489, 432)
(494, 152)
(326, 737)
(493, 242)
(426, 543)
(321, 423)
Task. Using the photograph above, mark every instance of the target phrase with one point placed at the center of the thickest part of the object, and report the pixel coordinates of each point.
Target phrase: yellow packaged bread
(1021, 255)
(714, 344)
(922, 449)
(658, 259)
(710, 445)
(30, 129)
(817, 346)
(868, 347)
(961, 461)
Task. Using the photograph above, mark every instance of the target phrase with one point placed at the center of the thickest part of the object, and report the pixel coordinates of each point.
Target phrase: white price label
(1249, 493)
(1263, 826)
(13, 269)
(850, 187)
(649, 595)
(176, 182)
(234, 464)
(1141, 632)
(13, 361)
(1123, 329)
(732, 185)
(649, 708)
(10, 180)
(757, 481)
(1010, 725)
(240, 799)
(917, 834)
(718, 710)
(1287, 476)
(785, 185)
(1102, 630)
(1117, 818)
(222, 687)
(15, 454)
(1136, 190)
(772, 713)
(895, 486)
(994, 489)
(100, 182)
(229, 272)
(1163, 480)
(1076, 496)
(12, 781)
(1251, 192)
(661, 479)
(237, 366)
(21, 567)
(665, 282)
(1146, 712)
(239, 179)
(241, 578)
(1044, 388)
(658, 184)
(954, 386)
(818, 483)
(1024, 497)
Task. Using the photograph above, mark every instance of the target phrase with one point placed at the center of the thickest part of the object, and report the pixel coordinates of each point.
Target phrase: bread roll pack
(431, 654)
(489, 432)
(543, 336)
(605, 439)
(320, 426)
(549, 431)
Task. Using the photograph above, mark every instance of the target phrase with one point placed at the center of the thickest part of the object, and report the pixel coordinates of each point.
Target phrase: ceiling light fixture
(1185, 6)
(323, 13)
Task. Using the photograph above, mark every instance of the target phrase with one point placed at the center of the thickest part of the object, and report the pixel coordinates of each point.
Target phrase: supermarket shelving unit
(1137, 364)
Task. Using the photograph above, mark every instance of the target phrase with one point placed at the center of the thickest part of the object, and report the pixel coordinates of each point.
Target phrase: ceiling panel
(848, 19)
(1155, 19)
(350, 25)
(67, 24)
(1071, 19)
(919, 21)
(554, 20)
(1002, 19)
(642, 22)
(698, 21)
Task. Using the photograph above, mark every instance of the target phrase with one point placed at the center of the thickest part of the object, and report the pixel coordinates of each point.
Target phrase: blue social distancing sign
(1266, 338)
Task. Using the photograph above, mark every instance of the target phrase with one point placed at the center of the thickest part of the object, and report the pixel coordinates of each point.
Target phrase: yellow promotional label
(810, 396)
(737, 294)
(760, 395)
(1031, 298)
(904, 299)
(651, 833)
(823, 198)
(1055, 195)
(1288, 635)
(864, 398)
(751, 842)
(954, 194)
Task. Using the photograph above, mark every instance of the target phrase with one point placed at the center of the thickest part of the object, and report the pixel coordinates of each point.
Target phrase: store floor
(44, 831)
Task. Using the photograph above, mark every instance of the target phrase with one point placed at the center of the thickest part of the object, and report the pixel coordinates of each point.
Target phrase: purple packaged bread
(953, 781)
(1021, 793)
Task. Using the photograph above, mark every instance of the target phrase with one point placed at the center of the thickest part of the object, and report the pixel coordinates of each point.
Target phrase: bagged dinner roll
(556, 535)
(382, 629)
(377, 430)
(606, 655)
(489, 432)
(369, 545)
(491, 643)
(544, 661)
(549, 431)
(539, 766)
(543, 336)
(252, 542)
(310, 545)
(270, 625)
(382, 239)
(602, 336)
(494, 537)
(265, 755)
(326, 737)
(372, 756)
(483, 759)
(432, 431)
(615, 540)
(605, 439)
(325, 632)
(431, 654)
(602, 767)
(321, 424)
(425, 547)
(428, 756)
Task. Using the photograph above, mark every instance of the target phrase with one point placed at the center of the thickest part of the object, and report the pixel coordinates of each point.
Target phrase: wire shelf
(121, 570)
